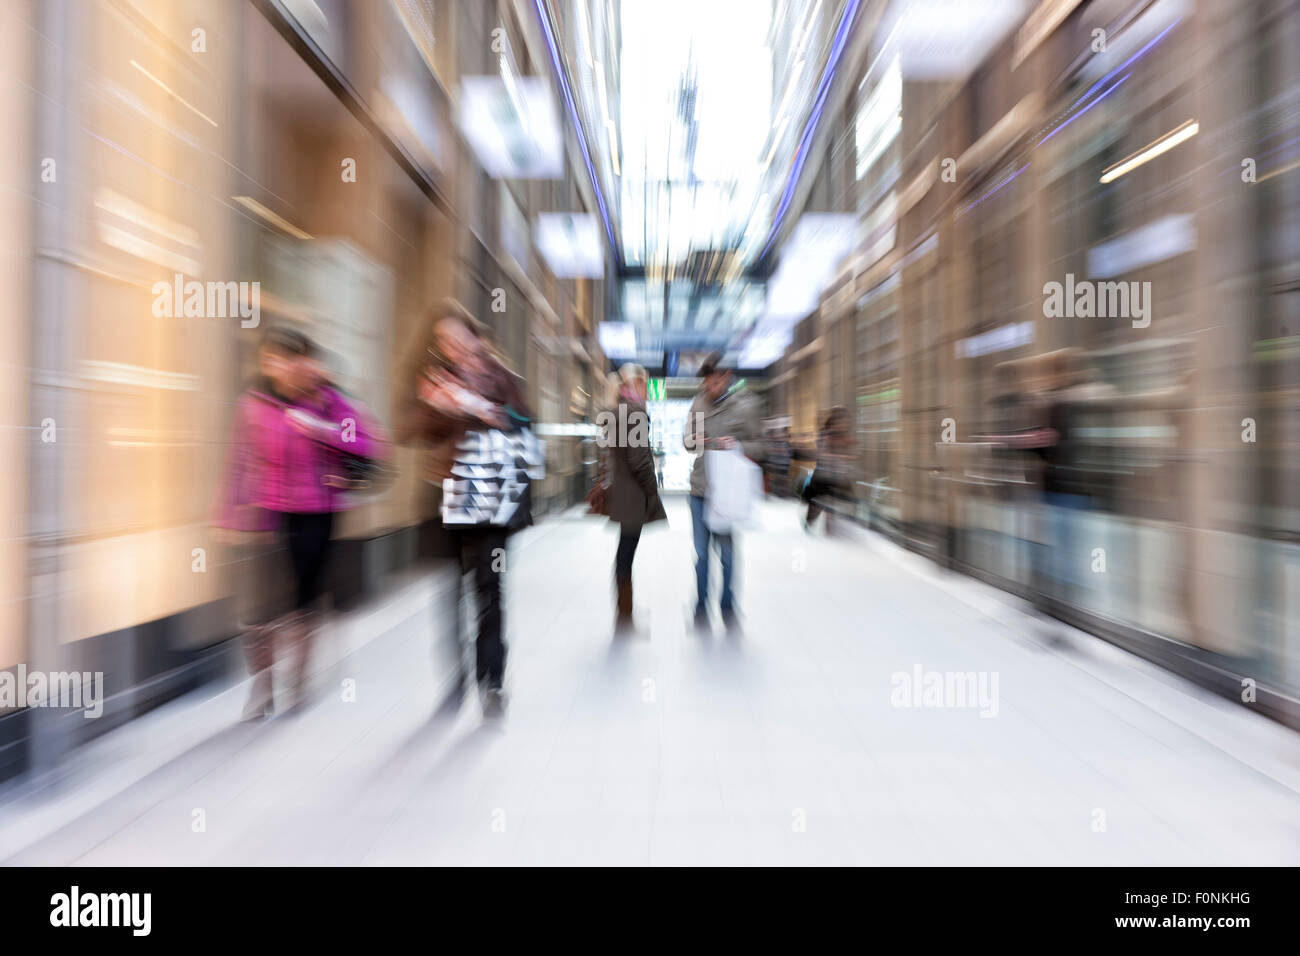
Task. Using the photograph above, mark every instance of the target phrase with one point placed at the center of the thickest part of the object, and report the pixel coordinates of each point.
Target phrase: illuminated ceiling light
(790, 85)
(880, 55)
(617, 339)
(583, 27)
(812, 20)
(174, 95)
(512, 91)
(797, 73)
(544, 17)
(944, 39)
(779, 13)
(776, 141)
(687, 204)
(273, 218)
(599, 69)
(570, 244)
(810, 128)
(613, 146)
(1149, 152)
(609, 122)
(115, 204)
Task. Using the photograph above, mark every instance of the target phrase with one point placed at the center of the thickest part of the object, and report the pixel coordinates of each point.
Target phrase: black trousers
(629, 537)
(483, 555)
(820, 488)
(307, 537)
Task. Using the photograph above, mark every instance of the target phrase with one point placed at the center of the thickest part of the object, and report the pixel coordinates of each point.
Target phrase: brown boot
(301, 636)
(259, 652)
(624, 620)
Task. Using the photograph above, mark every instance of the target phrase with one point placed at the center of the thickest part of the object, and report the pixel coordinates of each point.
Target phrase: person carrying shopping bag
(468, 408)
(720, 418)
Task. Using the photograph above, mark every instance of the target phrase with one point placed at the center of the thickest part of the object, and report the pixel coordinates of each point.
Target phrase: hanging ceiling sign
(572, 244)
(511, 124)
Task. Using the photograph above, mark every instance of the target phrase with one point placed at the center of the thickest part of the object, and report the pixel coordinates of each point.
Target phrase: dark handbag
(361, 473)
(596, 504)
(358, 468)
(347, 470)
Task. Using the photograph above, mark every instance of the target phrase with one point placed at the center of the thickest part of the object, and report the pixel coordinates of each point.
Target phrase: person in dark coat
(832, 478)
(455, 384)
(633, 495)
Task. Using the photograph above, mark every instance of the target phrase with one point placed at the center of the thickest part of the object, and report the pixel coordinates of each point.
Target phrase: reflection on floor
(872, 710)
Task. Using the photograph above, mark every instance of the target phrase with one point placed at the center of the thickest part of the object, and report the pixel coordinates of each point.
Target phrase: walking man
(722, 417)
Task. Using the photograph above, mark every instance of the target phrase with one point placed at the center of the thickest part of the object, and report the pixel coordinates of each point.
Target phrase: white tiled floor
(777, 746)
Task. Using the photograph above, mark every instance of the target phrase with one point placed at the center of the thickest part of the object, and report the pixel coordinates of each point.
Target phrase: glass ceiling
(694, 109)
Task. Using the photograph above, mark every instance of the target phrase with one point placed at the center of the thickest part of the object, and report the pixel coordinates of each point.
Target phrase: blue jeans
(1062, 562)
(726, 554)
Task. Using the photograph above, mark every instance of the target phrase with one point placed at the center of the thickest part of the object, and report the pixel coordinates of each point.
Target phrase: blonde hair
(626, 375)
(631, 372)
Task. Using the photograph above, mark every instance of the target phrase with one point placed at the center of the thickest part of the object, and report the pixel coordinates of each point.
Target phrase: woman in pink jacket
(296, 443)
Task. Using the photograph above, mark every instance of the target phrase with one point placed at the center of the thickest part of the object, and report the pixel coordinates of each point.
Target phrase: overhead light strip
(271, 217)
(805, 142)
(174, 95)
(544, 16)
(1164, 144)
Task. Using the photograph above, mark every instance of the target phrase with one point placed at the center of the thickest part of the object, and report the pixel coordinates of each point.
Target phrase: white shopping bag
(735, 485)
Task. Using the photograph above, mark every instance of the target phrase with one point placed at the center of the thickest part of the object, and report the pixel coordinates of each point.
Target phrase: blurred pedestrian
(776, 467)
(721, 417)
(1070, 486)
(803, 458)
(292, 432)
(597, 496)
(461, 388)
(633, 498)
(832, 477)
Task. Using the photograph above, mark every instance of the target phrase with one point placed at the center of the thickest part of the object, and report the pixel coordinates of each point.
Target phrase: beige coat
(736, 416)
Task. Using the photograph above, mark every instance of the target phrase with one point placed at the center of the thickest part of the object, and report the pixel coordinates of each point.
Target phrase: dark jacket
(1064, 472)
(836, 458)
(633, 496)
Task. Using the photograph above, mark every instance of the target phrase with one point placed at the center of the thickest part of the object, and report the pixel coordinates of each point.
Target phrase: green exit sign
(656, 389)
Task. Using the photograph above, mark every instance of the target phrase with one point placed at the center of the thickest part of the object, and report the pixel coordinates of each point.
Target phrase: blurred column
(1226, 312)
(20, 432)
(55, 323)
